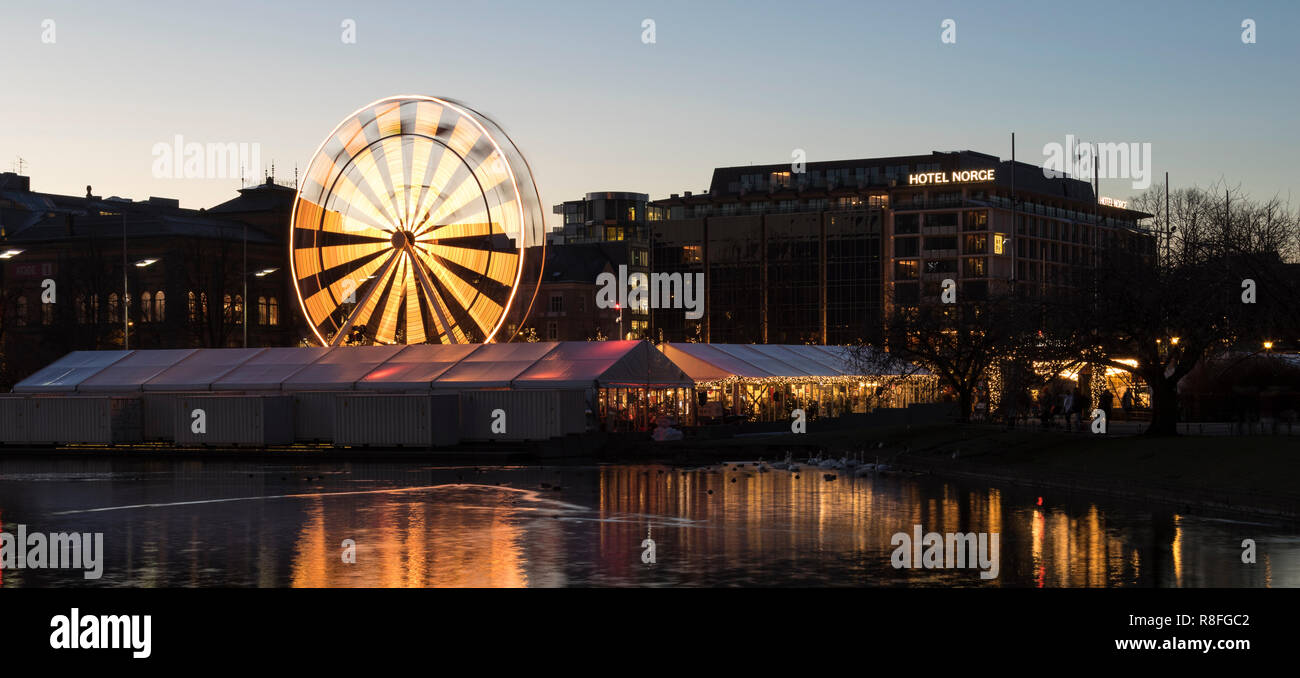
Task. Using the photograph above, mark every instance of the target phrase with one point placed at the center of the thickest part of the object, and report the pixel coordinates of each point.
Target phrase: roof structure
(706, 363)
(539, 365)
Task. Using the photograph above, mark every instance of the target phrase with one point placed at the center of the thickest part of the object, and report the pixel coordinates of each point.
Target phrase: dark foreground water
(214, 523)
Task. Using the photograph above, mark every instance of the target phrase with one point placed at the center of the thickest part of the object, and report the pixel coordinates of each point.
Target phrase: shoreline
(1188, 474)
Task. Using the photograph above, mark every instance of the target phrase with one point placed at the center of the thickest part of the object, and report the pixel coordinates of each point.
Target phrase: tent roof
(582, 364)
(340, 368)
(713, 362)
(200, 369)
(64, 374)
(494, 365)
(268, 369)
(415, 367)
(130, 373)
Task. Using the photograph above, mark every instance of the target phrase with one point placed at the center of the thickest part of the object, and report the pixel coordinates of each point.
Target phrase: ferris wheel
(418, 221)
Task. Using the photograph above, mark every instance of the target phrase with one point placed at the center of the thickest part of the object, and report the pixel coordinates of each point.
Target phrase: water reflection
(189, 523)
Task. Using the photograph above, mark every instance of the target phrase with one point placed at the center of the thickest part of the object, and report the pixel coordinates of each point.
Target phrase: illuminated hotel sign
(1111, 202)
(958, 177)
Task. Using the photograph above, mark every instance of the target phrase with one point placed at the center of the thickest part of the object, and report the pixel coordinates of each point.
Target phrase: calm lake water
(176, 523)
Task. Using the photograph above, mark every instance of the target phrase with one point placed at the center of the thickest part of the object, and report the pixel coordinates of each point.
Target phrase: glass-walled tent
(767, 382)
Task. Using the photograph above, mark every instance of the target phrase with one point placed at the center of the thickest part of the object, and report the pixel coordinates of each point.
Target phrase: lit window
(159, 307)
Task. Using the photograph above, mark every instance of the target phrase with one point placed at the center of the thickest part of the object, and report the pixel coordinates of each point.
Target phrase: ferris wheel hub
(399, 240)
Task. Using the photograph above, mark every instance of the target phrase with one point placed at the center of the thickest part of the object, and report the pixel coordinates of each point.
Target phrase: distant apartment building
(820, 256)
(620, 220)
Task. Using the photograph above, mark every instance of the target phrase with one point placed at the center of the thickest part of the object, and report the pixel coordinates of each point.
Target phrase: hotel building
(820, 255)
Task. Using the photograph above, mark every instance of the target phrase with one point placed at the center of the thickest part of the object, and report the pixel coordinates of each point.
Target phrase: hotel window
(159, 307)
(906, 247)
(943, 242)
(941, 219)
(818, 204)
(552, 330)
(975, 220)
(693, 254)
(557, 303)
(582, 304)
(941, 266)
(729, 208)
(112, 306)
(975, 267)
(261, 311)
(907, 223)
(274, 307)
(47, 314)
(906, 270)
(146, 307)
(613, 233)
(193, 307)
(81, 309)
(976, 244)
(94, 308)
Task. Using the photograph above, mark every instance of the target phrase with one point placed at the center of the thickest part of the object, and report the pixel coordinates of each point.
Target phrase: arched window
(273, 311)
(239, 309)
(146, 307)
(21, 311)
(112, 306)
(203, 304)
(94, 309)
(193, 306)
(261, 311)
(81, 309)
(159, 307)
(226, 308)
(47, 313)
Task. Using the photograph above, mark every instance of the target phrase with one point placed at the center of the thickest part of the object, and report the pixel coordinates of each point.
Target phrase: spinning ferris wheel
(418, 221)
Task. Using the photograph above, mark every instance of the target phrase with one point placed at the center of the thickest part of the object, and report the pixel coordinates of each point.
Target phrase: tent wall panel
(236, 420)
(397, 420)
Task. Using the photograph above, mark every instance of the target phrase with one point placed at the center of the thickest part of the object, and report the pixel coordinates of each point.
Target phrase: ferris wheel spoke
(436, 303)
(366, 304)
(447, 163)
(396, 287)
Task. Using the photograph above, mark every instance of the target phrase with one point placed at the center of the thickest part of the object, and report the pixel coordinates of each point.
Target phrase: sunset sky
(594, 108)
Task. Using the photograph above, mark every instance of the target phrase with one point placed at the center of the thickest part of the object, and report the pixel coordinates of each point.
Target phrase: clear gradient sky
(594, 108)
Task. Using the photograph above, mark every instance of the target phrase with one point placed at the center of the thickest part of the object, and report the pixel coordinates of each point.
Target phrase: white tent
(64, 374)
(583, 364)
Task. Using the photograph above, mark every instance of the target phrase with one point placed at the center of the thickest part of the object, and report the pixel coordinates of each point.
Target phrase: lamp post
(126, 324)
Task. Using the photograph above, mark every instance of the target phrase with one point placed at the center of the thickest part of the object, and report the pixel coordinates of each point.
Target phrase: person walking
(1067, 406)
(1107, 402)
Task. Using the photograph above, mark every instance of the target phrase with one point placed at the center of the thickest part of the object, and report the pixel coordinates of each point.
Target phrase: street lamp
(1268, 346)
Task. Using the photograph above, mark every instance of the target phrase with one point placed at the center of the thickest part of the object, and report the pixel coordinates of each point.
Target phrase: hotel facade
(821, 253)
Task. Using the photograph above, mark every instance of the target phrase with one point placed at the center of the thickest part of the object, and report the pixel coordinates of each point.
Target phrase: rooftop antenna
(295, 176)
(19, 165)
